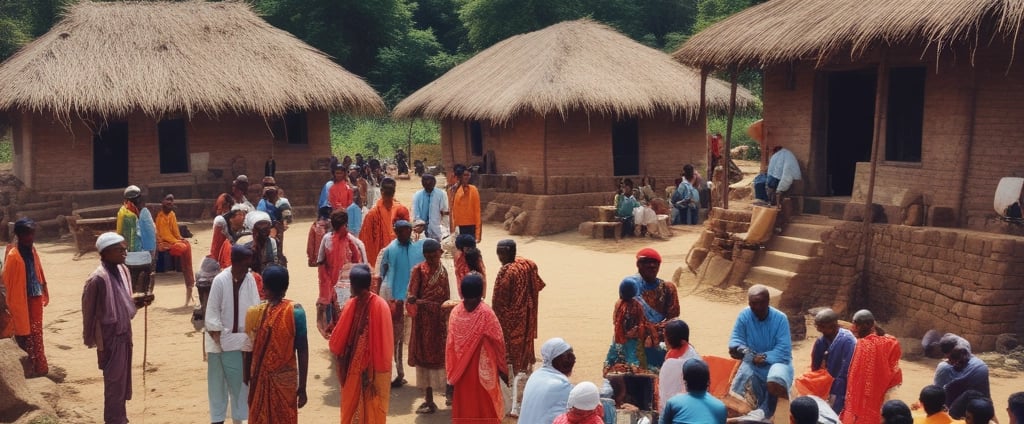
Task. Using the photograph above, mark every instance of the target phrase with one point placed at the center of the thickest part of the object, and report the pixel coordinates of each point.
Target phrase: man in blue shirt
(696, 406)
(833, 351)
(395, 266)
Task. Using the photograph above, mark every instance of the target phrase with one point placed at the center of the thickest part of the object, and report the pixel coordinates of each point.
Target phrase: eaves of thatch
(786, 31)
(575, 65)
(114, 59)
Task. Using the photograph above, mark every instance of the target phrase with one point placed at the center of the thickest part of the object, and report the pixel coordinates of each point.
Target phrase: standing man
(428, 290)
(339, 252)
(23, 294)
(659, 300)
(761, 339)
(378, 224)
(232, 293)
(277, 328)
(832, 352)
(107, 312)
(373, 181)
(396, 263)
(874, 370)
(475, 358)
(431, 206)
(169, 239)
(128, 218)
(239, 187)
(516, 300)
(466, 204)
(364, 344)
(547, 390)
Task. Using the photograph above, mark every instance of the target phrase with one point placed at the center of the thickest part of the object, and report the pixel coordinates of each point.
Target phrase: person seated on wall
(686, 202)
(783, 170)
(625, 203)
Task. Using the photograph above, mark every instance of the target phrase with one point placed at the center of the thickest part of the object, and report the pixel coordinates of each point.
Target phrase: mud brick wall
(546, 214)
(832, 278)
(960, 281)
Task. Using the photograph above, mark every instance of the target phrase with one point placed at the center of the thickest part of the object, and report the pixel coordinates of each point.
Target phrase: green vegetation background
(401, 45)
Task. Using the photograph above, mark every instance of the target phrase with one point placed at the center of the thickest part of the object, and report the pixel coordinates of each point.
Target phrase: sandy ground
(582, 277)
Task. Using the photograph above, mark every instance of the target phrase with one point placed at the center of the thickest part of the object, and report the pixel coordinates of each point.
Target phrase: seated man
(761, 339)
(833, 351)
(624, 205)
(696, 405)
(932, 399)
(169, 239)
(967, 372)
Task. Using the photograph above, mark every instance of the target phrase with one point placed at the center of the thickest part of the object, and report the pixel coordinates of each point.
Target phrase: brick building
(163, 92)
(930, 90)
(568, 109)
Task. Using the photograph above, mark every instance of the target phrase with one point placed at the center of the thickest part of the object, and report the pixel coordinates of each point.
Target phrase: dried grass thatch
(576, 65)
(781, 31)
(112, 59)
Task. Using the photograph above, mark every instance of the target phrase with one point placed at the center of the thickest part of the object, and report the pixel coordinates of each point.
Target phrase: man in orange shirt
(466, 204)
(169, 239)
(378, 225)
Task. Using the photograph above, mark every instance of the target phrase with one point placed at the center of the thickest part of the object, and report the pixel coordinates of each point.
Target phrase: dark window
(476, 138)
(291, 129)
(904, 114)
(173, 146)
(626, 147)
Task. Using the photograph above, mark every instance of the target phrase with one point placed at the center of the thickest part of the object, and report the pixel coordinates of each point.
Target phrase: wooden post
(881, 101)
(546, 154)
(965, 156)
(702, 117)
(728, 137)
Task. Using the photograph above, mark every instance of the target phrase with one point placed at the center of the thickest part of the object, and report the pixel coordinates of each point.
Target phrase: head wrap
(23, 225)
(648, 253)
(401, 223)
(242, 179)
(106, 240)
(251, 219)
(240, 207)
(584, 396)
(552, 349)
(431, 245)
(627, 288)
(132, 192)
(240, 249)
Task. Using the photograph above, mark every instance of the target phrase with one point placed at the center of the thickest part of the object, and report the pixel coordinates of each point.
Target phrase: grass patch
(718, 123)
(380, 137)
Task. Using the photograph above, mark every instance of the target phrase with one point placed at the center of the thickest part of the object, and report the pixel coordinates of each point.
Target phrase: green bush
(379, 137)
(717, 124)
(6, 150)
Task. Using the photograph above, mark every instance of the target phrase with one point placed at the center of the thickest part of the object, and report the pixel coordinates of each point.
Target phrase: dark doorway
(110, 156)
(173, 146)
(476, 139)
(851, 121)
(626, 147)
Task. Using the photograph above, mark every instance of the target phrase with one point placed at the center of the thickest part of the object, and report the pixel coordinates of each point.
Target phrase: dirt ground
(582, 277)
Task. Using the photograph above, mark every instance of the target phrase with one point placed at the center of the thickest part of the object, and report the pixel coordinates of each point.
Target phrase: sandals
(398, 382)
(426, 408)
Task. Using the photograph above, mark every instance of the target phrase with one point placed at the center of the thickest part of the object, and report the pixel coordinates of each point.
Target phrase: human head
(360, 278)
(240, 184)
(339, 220)
(896, 412)
(25, 229)
(236, 216)
(696, 375)
(803, 410)
(759, 301)
(472, 286)
(465, 241)
(462, 174)
(958, 409)
(403, 231)
(241, 257)
(168, 203)
(387, 188)
(1015, 407)
(959, 357)
(677, 333)
(863, 323)
(558, 354)
(648, 263)
(506, 251)
(628, 184)
(133, 194)
(428, 181)
(948, 342)
(980, 411)
(111, 248)
(933, 399)
(688, 171)
(473, 256)
(584, 397)
(275, 282)
(627, 289)
(374, 167)
(826, 321)
(346, 161)
(270, 193)
(432, 251)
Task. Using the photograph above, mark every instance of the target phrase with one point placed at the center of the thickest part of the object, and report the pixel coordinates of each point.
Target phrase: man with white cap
(108, 307)
(548, 388)
(584, 406)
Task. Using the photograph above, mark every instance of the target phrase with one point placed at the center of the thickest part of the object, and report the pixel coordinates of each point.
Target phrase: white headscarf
(584, 397)
(106, 240)
(252, 218)
(552, 349)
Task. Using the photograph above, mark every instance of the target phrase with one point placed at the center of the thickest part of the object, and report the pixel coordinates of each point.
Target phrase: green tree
(442, 17)
(711, 11)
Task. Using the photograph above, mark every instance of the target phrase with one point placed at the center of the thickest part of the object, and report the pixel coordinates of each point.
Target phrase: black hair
(339, 218)
(804, 410)
(958, 408)
(696, 375)
(473, 259)
(675, 332)
(896, 412)
(472, 286)
(360, 276)
(459, 170)
(981, 410)
(1016, 406)
(933, 399)
(275, 279)
(24, 226)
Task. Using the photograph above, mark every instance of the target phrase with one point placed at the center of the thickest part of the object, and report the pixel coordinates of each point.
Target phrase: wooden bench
(85, 231)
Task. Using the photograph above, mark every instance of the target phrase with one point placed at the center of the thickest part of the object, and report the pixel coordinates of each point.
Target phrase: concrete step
(805, 231)
(782, 260)
(795, 245)
(769, 276)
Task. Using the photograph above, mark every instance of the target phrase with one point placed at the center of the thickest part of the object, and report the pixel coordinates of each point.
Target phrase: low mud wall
(546, 214)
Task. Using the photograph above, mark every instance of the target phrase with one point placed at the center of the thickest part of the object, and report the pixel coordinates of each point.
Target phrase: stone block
(586, 229)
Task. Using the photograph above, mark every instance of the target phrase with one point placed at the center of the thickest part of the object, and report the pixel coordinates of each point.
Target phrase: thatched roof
(576, 65)
(782, 31)
(175, 57)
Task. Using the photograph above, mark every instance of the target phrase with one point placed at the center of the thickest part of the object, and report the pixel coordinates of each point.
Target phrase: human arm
(92, 292)
(738, 339)
(474, 205)
(302, 353)
(782, 348)
(213, 320)
(790, 171)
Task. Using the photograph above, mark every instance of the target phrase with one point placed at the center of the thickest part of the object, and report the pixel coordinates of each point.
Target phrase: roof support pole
(965, 156)
(728, 136)
(881, 102)
(702, 118)
(546, 154)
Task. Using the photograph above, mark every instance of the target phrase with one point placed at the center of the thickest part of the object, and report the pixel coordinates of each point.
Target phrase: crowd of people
(380, 276)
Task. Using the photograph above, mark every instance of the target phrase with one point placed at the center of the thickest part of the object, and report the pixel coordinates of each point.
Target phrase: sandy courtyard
(582, 277)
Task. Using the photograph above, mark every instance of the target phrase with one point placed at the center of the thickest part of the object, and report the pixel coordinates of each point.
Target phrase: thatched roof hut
(194, 57)
(782, 31)
(574, 65)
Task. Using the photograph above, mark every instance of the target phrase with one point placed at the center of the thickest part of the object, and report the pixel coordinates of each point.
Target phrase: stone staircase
(790, 256)
(45, 211)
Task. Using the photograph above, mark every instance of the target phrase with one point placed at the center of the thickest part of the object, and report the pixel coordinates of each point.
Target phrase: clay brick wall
(60, 158)
(546, 214)
(788, 110)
